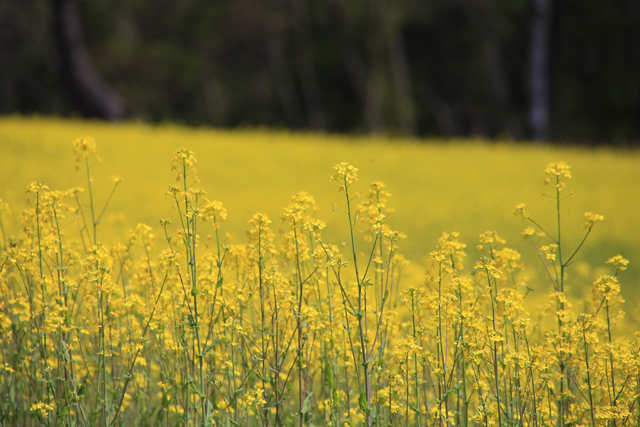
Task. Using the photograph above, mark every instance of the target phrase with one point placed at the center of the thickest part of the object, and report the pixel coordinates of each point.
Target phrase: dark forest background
(558, 70)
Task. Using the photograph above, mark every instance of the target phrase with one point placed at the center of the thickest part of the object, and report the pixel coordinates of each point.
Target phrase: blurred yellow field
(302, 322)
(436, 185)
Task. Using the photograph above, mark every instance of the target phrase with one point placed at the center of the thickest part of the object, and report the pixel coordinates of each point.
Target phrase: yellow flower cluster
(557, 173)
(84, 147)
(591, 219)
(278, 329)
(345, 174)
(41, 409)
(619, 262)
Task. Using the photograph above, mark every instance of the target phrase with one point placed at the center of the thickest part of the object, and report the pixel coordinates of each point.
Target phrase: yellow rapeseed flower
(5, 209)
(345, 173)
(214, 212)
(84, 147)
(490, 237)
(41, 409)
(619, 262)
(184, 161)
(606, 288)
(558, 169)
(528, 232)
(591, 219)
(550, 251)
(520, 211)
(557, 173)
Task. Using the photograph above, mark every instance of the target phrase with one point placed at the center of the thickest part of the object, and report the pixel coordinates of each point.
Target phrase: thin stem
(495, 348)
(614, 399)
(93, 215)
(588, 371)
(108, 201)
(360, 316)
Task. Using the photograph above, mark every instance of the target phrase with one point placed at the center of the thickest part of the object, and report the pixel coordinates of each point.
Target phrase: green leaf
(362, 402)
(346, 328)
(278, 402)
(81, 389)
(306, 404)
(194, 389)
(352, 312)
(371, 359)
(336, 398)
(64, 411)
(328, 375)
(192, 321)
(208, 349)
(209, 414)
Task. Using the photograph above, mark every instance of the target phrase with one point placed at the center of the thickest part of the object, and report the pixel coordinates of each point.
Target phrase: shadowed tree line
(528, 69)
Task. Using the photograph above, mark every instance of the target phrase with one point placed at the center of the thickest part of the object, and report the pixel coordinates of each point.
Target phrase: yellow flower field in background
(463, 185)
(307, 309)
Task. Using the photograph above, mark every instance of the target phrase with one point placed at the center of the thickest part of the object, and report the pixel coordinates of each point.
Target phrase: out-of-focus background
(548, 70)
(464, 185)
(271, 94)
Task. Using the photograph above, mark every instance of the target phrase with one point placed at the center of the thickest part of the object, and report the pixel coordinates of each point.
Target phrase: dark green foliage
(459, 68)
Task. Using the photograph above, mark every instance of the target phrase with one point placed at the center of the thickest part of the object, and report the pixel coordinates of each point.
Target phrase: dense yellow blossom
(187, 326)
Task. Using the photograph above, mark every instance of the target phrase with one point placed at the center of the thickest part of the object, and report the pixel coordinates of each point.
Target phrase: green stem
(614, 396)
(564, 380)
(588, 371)
(360, 315)
(93, 214)
(415, 363)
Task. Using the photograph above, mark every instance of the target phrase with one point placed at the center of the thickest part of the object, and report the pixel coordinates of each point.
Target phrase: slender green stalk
(534, 401)
(440, 346)
(463, 366)
(564, 380)
(415, 363)
(301, 385)
(128, 376)
(495, 348)
(94, 223)
(613, 395)
(361, 314)
(588, 372)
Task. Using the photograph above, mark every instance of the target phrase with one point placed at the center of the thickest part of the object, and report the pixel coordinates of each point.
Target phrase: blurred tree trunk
(305, 65)
(402, 85)
(394, 14)
(484, 17)
(278, 66)
(375, 41)
(92, 94)
(539, 70)
(283, 81)
(438, 107)
(366, 79)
